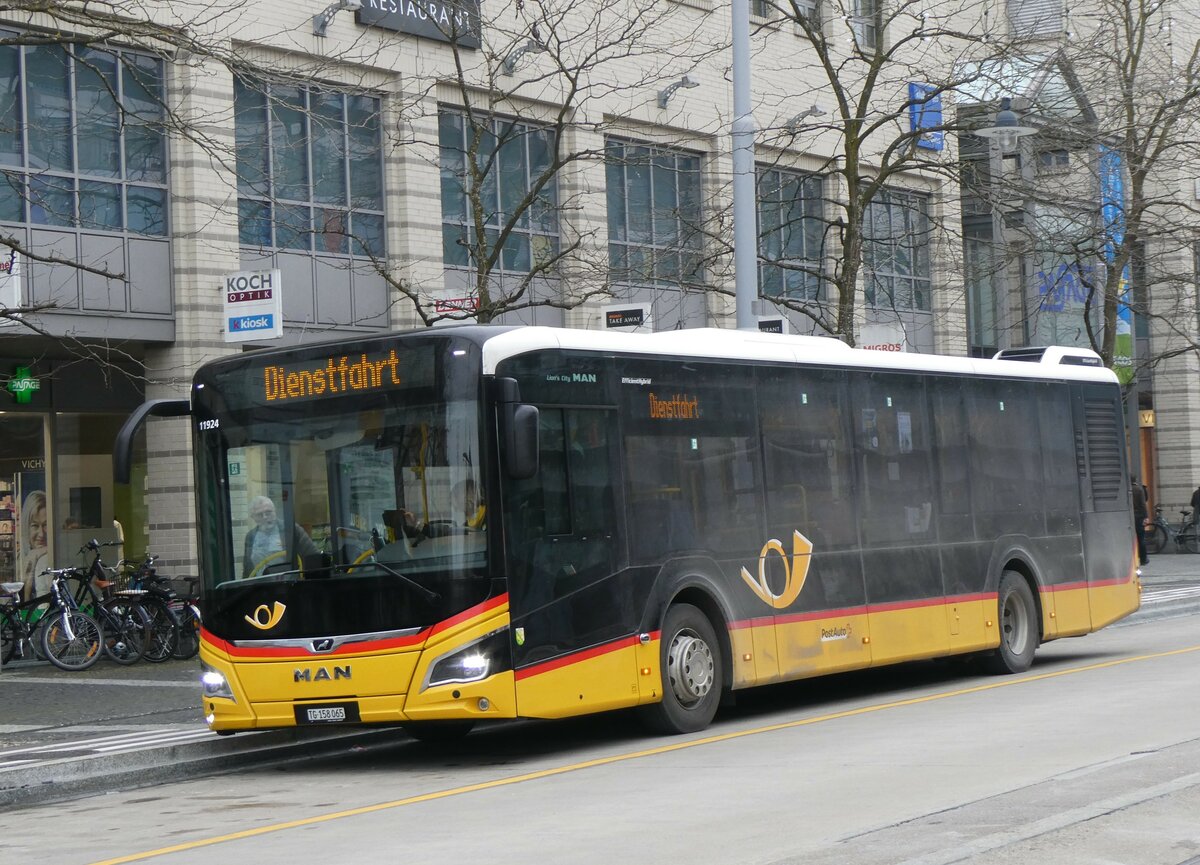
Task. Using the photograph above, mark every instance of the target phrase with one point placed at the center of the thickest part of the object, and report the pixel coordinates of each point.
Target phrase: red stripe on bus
(470, 613)
(577, 657)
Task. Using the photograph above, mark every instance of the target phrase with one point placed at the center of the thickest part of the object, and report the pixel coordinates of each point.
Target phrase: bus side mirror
(520, 440)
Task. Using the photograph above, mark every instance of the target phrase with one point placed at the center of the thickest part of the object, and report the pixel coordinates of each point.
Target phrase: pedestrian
(1196, 505)
(1139, 518)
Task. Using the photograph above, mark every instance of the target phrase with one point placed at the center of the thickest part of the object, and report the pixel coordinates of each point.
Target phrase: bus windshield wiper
(428, 594)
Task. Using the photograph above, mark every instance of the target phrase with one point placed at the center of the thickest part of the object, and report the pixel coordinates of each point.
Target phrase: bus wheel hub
(690, 668)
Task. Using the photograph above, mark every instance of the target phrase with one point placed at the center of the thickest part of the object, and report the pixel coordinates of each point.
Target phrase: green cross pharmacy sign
(23, 385)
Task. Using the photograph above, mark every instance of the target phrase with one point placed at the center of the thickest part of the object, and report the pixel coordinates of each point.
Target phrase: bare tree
(1107, 214)
(523, 121)
(879, 80)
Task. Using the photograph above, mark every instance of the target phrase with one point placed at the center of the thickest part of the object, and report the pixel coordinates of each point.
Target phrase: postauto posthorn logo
(264, 321)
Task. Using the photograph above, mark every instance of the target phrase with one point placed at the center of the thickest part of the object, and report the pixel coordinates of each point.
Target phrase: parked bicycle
(19, 620)
(175, 619)
(65, 635)
(1186, 536)
(125, 622)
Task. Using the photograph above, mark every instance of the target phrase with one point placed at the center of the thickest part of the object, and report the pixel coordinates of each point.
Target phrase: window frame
(123, 185)
(807, 183)
(866, 23)
(879, 251)
(689, 241)
(273, 209)
(525, 230)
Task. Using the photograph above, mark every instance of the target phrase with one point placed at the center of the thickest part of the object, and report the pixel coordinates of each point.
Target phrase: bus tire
(690, 659)
(1018, 620)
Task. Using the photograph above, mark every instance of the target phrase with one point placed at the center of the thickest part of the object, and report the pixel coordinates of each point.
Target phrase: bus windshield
(373, 497)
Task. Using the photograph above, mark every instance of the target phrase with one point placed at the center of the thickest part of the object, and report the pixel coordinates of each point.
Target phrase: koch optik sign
(253, 305)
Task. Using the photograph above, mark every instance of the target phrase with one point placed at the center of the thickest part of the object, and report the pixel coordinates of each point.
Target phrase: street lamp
(320, 21)
(1006, 129)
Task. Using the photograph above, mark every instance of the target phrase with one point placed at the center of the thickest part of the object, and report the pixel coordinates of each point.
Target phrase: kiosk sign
(253, 305)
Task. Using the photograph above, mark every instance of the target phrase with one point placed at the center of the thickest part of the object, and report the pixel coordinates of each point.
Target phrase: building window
(896, 256)
(511, 159)
(807, 10)
(81, 138)
(653, 215)
(310, 169)
(1054, 161)
(983, 264)
(790, 231)
(1028, 18)
(866, 22)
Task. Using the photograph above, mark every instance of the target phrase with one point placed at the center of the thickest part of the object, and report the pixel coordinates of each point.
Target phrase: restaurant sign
(446, 20)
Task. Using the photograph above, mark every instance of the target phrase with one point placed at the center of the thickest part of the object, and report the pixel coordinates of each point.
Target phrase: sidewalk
(63, 735)
(1171, 567)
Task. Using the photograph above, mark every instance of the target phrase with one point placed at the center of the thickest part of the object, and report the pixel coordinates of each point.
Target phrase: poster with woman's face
(33, 530)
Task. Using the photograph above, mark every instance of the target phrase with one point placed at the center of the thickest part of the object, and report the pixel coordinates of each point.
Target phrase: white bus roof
(1055, 362)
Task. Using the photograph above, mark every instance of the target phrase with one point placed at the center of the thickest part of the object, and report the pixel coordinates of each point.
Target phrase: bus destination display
(330, 377)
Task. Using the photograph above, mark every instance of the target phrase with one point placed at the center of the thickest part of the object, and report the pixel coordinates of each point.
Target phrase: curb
(75, 777)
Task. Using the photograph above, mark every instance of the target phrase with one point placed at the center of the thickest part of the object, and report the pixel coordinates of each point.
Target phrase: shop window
(87, 504)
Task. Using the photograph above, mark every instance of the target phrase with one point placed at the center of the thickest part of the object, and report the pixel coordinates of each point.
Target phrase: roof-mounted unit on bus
(1052, 355)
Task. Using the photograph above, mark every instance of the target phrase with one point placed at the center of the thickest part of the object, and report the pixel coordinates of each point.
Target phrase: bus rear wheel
(690, 659)
(1018, 621)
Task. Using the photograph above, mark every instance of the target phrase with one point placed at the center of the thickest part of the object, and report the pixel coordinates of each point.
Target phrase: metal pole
(745, 214)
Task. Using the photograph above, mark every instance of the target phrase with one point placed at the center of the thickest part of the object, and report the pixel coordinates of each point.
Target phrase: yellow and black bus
(470, 523)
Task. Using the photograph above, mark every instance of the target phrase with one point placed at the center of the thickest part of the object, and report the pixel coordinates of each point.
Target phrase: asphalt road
(1092, 757)
(67, 735)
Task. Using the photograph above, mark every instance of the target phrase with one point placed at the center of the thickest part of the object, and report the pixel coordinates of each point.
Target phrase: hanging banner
(1112, 210)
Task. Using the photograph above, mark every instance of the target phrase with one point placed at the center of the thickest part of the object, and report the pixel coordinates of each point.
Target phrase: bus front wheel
(690, 659)
(1018, 621)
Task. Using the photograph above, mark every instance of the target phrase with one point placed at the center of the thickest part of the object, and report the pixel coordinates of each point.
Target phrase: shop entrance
(26, 533)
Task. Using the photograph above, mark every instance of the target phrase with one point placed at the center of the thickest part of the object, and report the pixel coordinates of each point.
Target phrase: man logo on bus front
(795, 571)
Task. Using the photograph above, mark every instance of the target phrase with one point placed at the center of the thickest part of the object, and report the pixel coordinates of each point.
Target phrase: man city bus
(472, 523)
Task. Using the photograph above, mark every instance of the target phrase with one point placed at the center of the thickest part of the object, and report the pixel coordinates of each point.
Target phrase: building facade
(402, 167)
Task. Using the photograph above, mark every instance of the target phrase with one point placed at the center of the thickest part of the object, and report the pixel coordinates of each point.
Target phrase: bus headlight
(214, 683)
(472, 663)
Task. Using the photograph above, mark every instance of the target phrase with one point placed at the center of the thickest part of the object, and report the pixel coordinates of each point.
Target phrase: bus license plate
(329, 713)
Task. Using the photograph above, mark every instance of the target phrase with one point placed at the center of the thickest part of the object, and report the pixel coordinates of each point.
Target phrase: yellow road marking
(633, 755)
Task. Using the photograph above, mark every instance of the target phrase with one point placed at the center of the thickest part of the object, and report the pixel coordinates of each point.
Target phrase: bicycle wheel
(126, 630)
(1189, 539)
(164, 630)
(8, 637)
(189, 632)
(71, 639)
(1156, 539)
